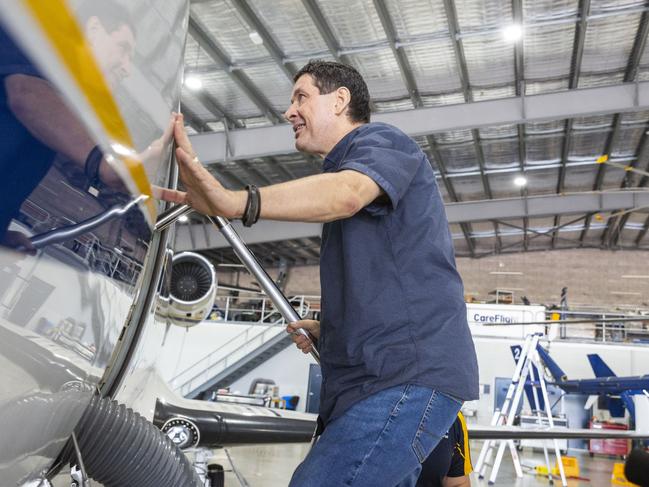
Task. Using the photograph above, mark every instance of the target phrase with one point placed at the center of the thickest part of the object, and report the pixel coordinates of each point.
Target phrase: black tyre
(216, 475)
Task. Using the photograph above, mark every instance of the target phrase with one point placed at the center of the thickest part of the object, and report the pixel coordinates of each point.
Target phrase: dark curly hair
(112, 15)
(329, 76)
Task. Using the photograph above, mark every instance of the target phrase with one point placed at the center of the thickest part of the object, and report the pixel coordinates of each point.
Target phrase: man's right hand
(302, 342)
(204, 193)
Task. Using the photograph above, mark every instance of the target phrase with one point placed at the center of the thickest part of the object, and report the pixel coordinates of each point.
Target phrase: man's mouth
(297, 129)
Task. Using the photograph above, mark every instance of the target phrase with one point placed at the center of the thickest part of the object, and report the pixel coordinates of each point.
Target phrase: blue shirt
(24, 160)
(393, 307)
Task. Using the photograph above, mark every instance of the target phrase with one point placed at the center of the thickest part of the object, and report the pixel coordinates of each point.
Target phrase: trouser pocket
(439, 414)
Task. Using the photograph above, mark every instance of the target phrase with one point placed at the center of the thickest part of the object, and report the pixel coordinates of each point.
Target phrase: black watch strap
(91, 166)
(253, 206)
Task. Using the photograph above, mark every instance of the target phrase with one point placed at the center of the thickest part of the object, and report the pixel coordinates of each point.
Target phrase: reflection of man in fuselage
(35, 122)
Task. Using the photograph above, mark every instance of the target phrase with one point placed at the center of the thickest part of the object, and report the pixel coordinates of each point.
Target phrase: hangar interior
(143, 343)
(534, 116)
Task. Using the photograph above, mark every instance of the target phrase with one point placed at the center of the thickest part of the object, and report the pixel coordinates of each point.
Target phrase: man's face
(114, 50)
(312, 116)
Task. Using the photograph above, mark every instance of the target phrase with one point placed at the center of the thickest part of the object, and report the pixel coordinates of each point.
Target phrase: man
(36, 123)
(449, 465)
(397, 355)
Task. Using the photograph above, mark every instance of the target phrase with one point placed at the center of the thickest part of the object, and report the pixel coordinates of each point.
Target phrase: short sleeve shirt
(24, 160)
(393, 307)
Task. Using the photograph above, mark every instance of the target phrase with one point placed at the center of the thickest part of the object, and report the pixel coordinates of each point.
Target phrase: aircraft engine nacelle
(191, 289)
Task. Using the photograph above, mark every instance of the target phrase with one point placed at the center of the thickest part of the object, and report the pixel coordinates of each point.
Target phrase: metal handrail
(209, 362)
(224, 362)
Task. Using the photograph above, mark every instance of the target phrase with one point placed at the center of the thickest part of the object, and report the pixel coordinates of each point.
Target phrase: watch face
(182, 432)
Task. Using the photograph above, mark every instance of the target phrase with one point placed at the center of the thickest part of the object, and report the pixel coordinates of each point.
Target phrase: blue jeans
(380, 441)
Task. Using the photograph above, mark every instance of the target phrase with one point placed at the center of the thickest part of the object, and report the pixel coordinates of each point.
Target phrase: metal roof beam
(265, 141)
(318, 18)
(288, 175)
(465, 227)
(462, 212)
(458, 49)
(227, 173)
(399, 54)
(522, 157)
(256, 172)
(212, 104)
(263, 231)
(308, 249)
(519, 73)
(211, 47)
(643, 155)
(573, 83)
(415, 97)
(537, 235)
(485, 179)
(193, 120)
(608, 149)
(578, 45)
(270, 249)
(247, 12)
(629, 76)
(548, 233)
(638, 48)
(642, 233)
(432, 37)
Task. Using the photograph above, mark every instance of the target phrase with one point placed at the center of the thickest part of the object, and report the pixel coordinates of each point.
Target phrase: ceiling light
(256, 38)
(506, 273)
(513, 33)
(520, 181)
(626, 293)
(634, 276)
(183, 219)
(193, 83)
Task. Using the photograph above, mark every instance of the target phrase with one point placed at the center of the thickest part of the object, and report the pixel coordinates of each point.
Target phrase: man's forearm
(41, 110)
(319, 198)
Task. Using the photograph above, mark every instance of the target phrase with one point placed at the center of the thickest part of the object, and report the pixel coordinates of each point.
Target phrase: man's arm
(319, 198)
(37, 105)
(42, 111)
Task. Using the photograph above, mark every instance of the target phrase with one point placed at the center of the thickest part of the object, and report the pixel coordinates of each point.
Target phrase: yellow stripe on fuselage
(60, 26)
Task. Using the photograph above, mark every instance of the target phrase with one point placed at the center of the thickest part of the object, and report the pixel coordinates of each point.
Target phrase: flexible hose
(120, 448)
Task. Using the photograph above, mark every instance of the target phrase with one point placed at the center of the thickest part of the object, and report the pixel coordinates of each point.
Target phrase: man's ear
(343, 99)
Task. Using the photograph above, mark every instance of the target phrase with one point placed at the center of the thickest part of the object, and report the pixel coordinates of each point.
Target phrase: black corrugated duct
(120, 448)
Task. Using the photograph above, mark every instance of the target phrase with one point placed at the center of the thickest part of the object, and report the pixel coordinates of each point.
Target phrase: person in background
(449, 465)
(36, 123)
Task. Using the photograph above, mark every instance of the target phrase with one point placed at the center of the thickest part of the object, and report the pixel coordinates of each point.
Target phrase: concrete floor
(272, 466)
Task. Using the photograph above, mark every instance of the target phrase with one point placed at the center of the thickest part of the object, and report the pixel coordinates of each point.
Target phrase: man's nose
(125, 67)
(290, 113)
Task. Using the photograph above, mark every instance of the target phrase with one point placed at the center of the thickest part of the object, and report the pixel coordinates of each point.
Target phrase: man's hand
(18, 241)
(204, 193)
(302, 342)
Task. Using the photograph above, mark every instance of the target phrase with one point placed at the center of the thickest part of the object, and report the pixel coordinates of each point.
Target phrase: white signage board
(501, 320)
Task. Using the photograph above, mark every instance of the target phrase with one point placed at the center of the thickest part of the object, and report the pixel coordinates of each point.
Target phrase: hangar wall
(290, 368)
(592, 276)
